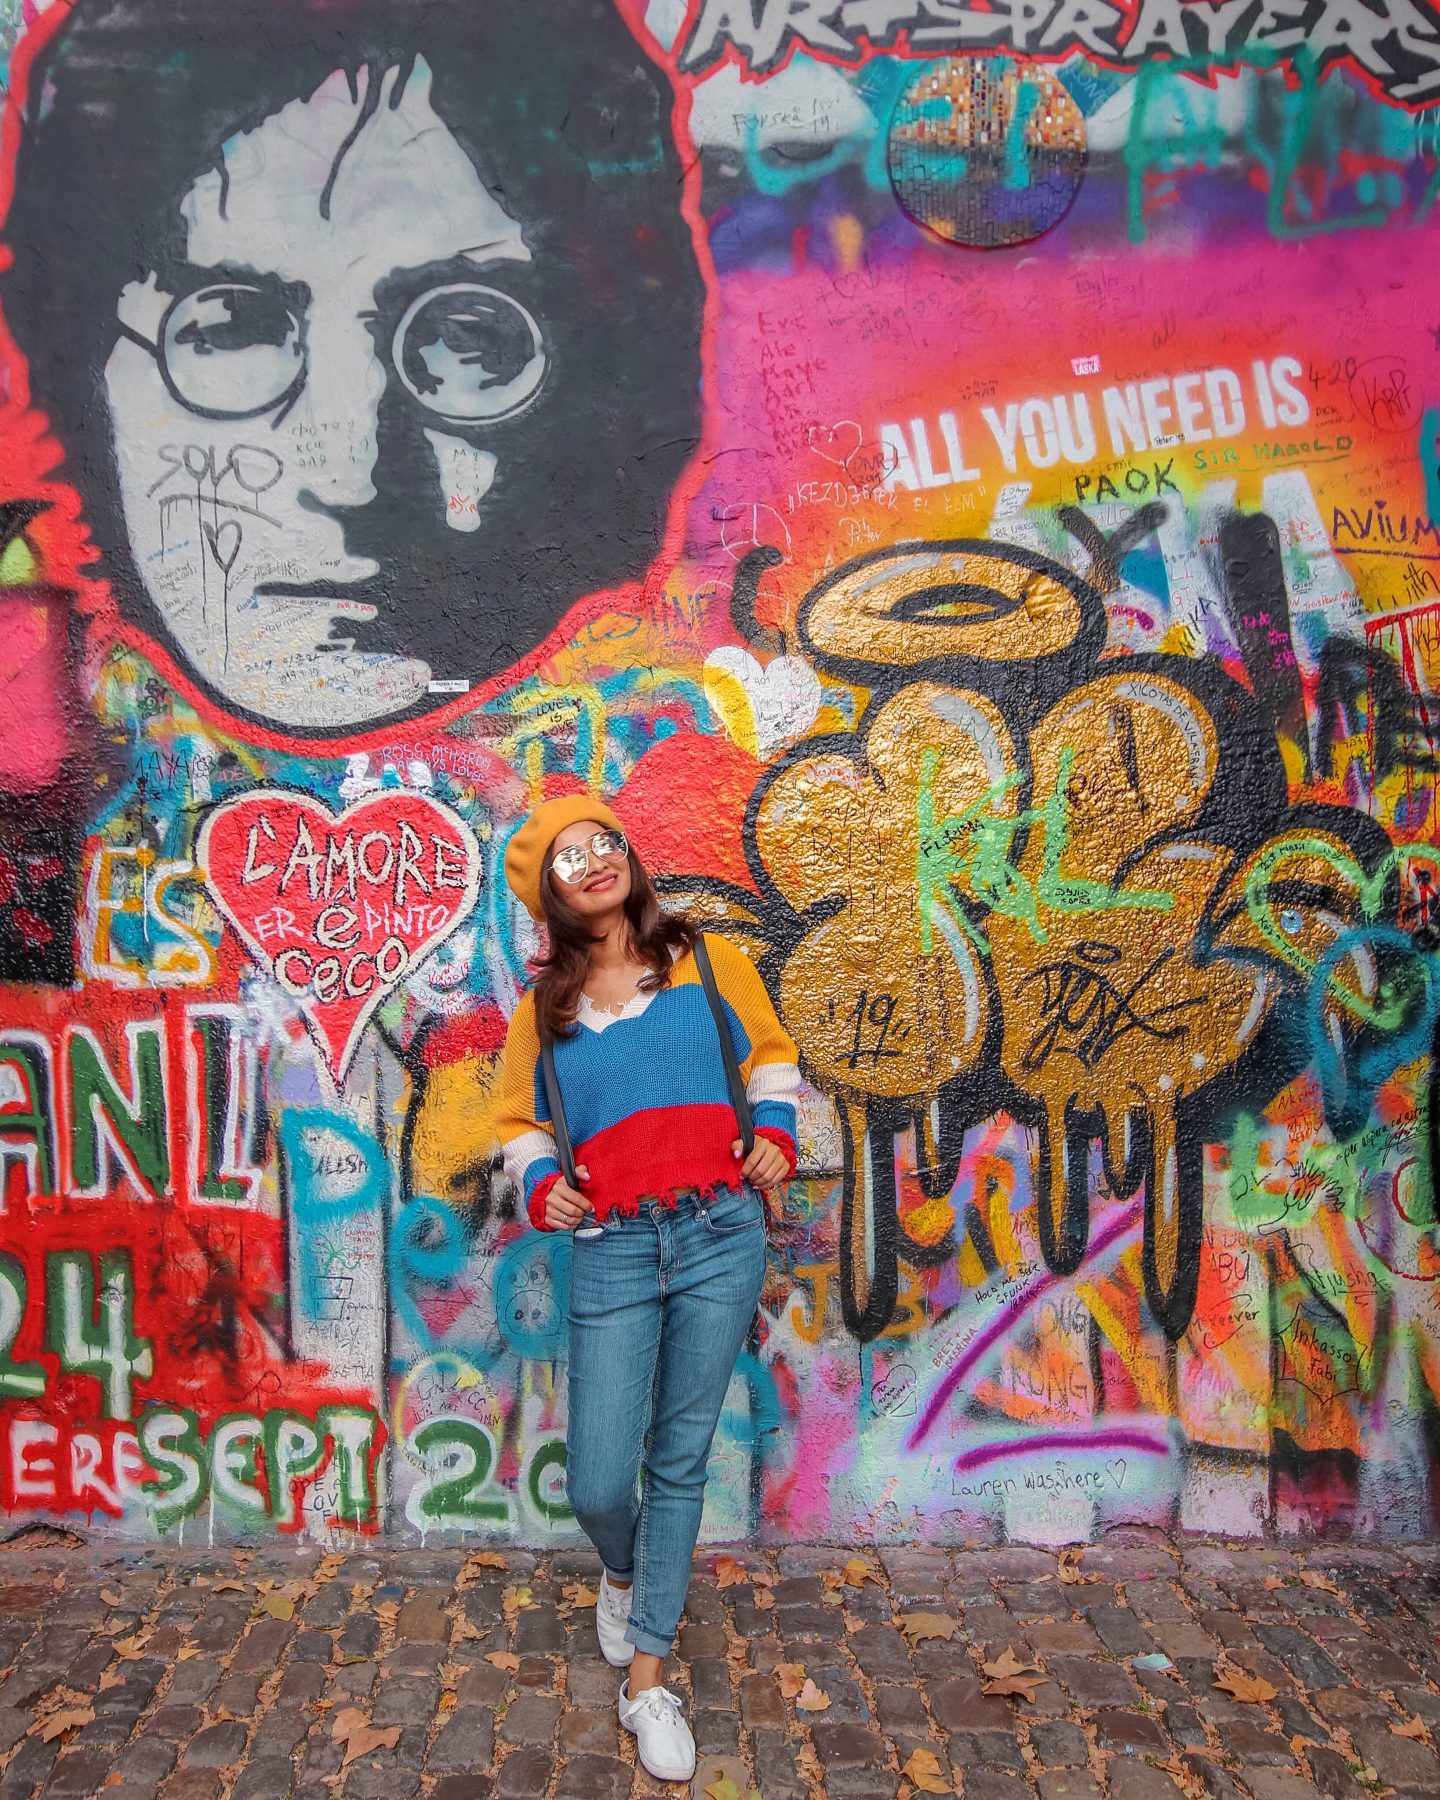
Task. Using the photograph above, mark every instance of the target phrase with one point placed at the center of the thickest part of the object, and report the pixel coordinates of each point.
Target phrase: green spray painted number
(18, 1380)
(545, 1483)
(95, 1342)
(464, 1453)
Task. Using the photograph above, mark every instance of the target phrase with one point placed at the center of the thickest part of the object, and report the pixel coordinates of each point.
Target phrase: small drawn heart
(781, 697)
(339, 909)
(836, 443)
(1116, 1471)
(873, 464)
(224, 541)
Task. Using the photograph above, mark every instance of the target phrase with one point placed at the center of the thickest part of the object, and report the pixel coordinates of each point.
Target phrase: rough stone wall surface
(965, 485)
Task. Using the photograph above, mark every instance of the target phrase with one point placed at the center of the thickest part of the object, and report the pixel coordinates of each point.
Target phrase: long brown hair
(656, 937)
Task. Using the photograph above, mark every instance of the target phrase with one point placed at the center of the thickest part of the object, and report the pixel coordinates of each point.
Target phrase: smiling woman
(401, 270)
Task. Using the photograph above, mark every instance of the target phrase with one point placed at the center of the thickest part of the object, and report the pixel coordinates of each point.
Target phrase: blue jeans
(659, 1307)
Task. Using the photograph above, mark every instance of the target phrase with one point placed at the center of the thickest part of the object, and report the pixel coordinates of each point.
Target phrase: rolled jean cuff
(619, 1574)
(647, 1642)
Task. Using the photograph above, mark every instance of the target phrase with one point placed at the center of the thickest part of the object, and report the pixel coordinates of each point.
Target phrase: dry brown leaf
(858, 1572)
(791, 1677)
(230, 1587)
(514, 1600)
(812, 1698)
(359, 1736)
(832, 1597)
(1412, 1728)
(110, 1597)
(1240, 1684)
(1007, 1676)
(761, 1578)
(503, 1659)
(278, 1605)
(808, 1763)
(129, 1648)
(1312, 1578)
(57, 1700)
(918, 1626)
(388, 1611)
(577, 1594)
(1272, 1582)
(1007, 1663)
(185, 1652)
(729, 1573)
(58, 1723)
(329, 1566)
(485, 1559)
(831, 1579)
(924, 1770)
(1070, 1571)
(764, 1599)
(466, 1630)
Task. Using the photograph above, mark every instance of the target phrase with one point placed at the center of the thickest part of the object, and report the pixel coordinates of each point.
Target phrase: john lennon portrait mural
(965, 489)
(389, 288)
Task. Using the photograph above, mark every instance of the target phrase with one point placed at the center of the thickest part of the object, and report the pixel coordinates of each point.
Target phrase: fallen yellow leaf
(729, 1573)
(278, 1606)
(858, 1572)
(791, 1677)
(578, 1594)
(918, 1626)
(1412, 1728)
(924, 1770)
(503, 1659)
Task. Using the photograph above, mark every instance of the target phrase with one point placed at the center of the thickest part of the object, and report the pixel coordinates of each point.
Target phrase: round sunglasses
(572, 864)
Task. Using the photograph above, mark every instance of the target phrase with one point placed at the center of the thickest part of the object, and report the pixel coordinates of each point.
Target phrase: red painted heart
(339, 909)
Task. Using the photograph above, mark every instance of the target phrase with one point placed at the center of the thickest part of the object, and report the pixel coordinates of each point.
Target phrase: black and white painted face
(309, 394)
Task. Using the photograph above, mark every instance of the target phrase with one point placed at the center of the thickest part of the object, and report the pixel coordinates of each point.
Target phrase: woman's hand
(766, 1166)
(566, 1206)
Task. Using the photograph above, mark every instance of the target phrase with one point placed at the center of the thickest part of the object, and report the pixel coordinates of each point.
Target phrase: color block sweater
(645, 1093)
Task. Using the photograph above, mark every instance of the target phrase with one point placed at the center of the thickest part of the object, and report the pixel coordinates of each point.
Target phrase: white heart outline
(423, 950)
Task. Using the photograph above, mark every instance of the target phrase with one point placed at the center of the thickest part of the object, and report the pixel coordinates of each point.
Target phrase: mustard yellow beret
(525, 853)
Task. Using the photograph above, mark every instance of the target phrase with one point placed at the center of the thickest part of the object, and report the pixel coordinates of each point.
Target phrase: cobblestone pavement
(198, 1674)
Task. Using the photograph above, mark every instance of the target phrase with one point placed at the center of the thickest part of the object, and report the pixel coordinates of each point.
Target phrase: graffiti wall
(965, 483)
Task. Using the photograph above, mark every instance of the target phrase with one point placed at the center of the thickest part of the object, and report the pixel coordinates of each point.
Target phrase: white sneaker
(612, 1615)
(661, 1735)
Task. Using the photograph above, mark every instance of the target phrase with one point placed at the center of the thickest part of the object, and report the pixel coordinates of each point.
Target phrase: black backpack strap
(557, 1110)
(727, 1045)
